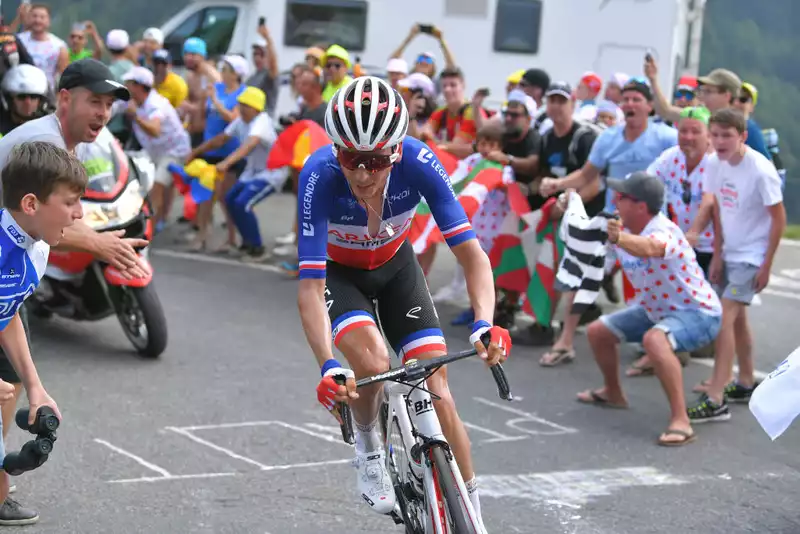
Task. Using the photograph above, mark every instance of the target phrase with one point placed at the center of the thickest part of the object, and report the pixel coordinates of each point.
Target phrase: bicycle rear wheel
(454, 500)
(398, 464)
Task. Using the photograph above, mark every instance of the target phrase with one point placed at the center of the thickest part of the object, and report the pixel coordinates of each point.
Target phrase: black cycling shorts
(399, 293)
(7, 372)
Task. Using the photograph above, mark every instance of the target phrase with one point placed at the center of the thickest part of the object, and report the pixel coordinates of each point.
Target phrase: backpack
(572, 150)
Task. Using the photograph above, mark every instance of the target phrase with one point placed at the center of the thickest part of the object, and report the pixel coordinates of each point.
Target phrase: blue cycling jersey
(333, 225)
(22, 264)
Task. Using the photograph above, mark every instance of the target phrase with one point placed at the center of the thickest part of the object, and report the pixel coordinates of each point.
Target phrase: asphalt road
(223, 434)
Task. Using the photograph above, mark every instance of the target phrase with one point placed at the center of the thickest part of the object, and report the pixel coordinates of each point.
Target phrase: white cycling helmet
(366, 115)
(25, 80)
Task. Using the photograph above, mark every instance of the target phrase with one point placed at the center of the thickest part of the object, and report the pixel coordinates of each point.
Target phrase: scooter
(78, 286)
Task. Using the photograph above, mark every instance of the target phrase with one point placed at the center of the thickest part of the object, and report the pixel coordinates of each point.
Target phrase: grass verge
(792, 231)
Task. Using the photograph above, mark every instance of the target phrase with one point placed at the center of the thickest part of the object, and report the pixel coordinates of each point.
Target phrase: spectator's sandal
(639, 369)
(590, 396)
(688, 437)
(556, 357)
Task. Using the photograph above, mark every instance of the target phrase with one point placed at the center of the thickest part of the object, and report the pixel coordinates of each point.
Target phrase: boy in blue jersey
(42, 187)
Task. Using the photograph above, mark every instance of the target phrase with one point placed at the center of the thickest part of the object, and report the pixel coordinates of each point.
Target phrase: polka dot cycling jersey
(670, 167)
(333, 225)
(672, 283)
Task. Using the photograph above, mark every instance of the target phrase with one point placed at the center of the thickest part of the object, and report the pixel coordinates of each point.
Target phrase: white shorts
(162, 175)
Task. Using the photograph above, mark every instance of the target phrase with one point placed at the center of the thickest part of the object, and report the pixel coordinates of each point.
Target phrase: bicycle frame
(419, 425)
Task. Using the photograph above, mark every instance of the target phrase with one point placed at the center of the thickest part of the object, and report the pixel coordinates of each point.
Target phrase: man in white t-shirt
(256, 134)
(48, 51)
(676, 309)
(159, 131)
(744, 188)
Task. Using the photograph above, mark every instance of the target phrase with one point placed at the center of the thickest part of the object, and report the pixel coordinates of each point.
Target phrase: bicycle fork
(419, 425)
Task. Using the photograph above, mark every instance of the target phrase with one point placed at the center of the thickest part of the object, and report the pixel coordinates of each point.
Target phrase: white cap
(118, 40)
(140, 75)
(239, 64)
(397, 64)
(519, 96)
(417, 80)
(260, 42)
(619, 79)
(155, 34)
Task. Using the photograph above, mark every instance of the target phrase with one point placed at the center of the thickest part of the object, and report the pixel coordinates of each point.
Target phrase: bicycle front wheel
(455, 502)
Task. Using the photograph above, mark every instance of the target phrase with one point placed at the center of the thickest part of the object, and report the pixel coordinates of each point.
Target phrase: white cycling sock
(368, 439)
(472, 490)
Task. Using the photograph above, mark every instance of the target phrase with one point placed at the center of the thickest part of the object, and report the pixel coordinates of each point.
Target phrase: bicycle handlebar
(417, 370)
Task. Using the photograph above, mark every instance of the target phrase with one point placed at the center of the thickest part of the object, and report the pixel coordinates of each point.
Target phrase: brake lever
(344, 412)
(498, 373)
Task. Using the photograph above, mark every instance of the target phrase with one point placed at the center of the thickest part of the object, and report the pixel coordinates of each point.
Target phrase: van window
(326, 22)
(517, 26)
(214, 25)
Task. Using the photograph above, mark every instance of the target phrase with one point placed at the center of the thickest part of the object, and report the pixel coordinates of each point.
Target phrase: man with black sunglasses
(358, 270)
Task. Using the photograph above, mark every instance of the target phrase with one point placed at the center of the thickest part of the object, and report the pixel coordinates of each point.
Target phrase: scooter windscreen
(113, 196)
(106, 164)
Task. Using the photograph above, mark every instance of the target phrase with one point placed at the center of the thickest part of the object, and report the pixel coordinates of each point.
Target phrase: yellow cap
(253, 97)
(751, 90)
(516, 77)
(337, 52)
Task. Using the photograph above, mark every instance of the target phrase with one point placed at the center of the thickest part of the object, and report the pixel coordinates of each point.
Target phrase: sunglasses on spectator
(684, 95)
(369, 161)
(744, 99)
(425, 59)
(334, 65)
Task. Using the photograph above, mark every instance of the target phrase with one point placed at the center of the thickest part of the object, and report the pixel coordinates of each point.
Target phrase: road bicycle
(431, 495)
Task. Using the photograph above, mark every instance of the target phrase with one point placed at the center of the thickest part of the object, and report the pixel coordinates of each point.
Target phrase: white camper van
(489, 38)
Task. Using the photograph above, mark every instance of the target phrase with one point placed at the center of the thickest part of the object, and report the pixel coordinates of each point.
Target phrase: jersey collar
(15, 232)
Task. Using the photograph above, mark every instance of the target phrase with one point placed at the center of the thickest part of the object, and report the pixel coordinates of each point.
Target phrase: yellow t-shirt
(330, 88)
(174, 89)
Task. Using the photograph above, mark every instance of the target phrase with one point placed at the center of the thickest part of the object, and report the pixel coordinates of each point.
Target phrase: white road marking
(172, 477)
(191, 256)
(527, 417)
(497, 437)
(708, 362)
(283, 424)
(790, 242)
(141, 461)
(573, 488)
(217, 448)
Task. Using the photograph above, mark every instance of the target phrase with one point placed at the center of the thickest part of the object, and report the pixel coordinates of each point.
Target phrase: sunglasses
(686, 196)
(684, 95)
(370, 162)
(744, 99)
(425, 60)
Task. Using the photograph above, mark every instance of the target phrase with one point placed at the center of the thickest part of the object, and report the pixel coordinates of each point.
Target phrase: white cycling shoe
(374, 482)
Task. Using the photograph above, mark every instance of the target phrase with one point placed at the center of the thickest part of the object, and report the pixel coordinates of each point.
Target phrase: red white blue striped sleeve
(433, 183)
(313, 208)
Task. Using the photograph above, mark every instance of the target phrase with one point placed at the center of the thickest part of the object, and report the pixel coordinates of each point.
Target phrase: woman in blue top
(220, 111)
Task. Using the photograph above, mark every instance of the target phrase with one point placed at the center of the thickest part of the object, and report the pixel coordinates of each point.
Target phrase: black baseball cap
(559, 88)
(162, 56)
(641, 186)
(94, 76)
(537, 78)
(640, 87)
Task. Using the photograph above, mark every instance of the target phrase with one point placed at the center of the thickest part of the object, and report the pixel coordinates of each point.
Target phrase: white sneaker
(285, 250)
(374, 481)
(287, 239)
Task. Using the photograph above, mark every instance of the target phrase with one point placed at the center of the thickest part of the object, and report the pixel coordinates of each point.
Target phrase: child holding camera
(42, 185)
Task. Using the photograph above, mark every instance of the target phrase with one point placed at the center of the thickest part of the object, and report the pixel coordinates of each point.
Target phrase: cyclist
(355, 204)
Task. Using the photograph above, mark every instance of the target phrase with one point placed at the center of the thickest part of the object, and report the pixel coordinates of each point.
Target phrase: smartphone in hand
(483, 91)
(426, 28)
(262, 21)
